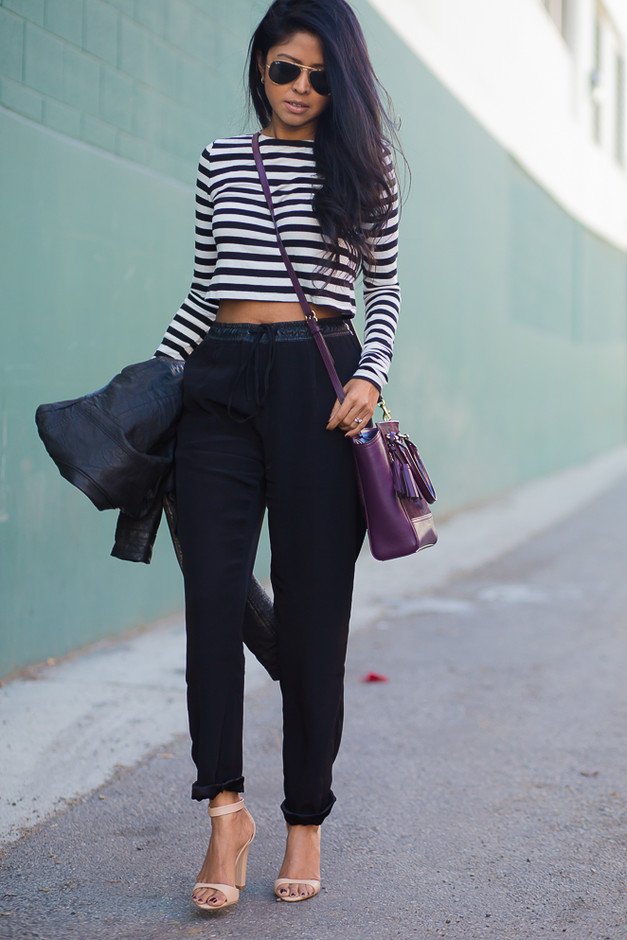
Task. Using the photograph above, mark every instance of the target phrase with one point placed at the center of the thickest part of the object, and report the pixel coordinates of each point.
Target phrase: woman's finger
(333, 417)
(356, 428)
(349, 421)
(348, 410)
(338, 413)
(350, 424)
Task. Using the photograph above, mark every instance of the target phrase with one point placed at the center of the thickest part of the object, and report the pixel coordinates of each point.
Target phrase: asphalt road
(482, 790)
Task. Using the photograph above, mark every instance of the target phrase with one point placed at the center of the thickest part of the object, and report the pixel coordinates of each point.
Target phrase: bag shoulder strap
(310, 316)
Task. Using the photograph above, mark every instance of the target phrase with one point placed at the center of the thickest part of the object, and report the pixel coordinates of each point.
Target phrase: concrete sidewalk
(502, 727)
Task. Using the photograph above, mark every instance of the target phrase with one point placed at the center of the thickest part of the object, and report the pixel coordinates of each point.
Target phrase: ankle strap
(227, 808)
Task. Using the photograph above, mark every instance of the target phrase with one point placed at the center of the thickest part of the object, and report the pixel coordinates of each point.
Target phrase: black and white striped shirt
(237, 255)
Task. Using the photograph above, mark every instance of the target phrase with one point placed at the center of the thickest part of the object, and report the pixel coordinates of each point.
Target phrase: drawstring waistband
(250, 335)
(251, 359)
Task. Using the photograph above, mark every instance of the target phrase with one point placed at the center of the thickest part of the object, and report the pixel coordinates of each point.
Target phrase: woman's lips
(296, 109)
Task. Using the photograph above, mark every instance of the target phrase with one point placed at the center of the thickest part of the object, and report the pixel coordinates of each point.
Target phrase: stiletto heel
(240, 868)
(231, 892)
(312, 882)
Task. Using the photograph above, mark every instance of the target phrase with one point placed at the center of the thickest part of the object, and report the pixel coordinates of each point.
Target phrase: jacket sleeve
(193, 319)
(382, 297)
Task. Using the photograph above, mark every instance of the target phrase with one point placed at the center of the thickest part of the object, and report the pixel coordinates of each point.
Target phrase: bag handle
(310, 316)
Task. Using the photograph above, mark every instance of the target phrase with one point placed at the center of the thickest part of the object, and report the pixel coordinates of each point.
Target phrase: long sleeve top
(237, 254)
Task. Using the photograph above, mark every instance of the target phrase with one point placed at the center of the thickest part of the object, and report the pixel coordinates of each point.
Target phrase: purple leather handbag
(393, 484)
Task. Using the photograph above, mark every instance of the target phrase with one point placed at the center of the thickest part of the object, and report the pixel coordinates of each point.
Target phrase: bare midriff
(268, 311)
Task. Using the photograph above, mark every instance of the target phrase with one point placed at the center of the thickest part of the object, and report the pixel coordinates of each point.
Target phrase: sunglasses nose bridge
(302, 82)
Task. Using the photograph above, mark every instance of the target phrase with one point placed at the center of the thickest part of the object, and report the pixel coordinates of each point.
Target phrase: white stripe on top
(237, 255)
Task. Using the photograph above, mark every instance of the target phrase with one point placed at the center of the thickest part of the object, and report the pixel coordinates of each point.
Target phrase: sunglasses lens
(283, 72)
(319, 82)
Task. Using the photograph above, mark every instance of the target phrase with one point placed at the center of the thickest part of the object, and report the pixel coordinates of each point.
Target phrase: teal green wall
(149, 80)
(104, 110)
(510, 355)
(510, 360)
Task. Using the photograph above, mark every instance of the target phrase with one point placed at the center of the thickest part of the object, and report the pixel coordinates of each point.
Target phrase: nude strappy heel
(231, 892)
(313, 882)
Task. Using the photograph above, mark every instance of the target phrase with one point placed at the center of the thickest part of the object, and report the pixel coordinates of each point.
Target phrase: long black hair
(353, 132)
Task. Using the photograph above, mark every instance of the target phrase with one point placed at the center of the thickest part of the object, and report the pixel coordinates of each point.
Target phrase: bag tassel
(405, 485)
(397, 476)
(416, 465)
(411, 490)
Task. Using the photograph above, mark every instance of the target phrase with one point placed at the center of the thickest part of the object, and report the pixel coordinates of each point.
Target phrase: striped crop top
(237, 254)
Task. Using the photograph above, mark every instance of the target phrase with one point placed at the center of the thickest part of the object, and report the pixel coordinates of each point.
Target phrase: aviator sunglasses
(282, 73)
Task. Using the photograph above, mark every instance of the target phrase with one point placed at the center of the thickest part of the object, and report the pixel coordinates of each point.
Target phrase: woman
(261, 426)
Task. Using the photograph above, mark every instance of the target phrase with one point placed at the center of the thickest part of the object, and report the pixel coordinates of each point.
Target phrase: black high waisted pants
(252, 435)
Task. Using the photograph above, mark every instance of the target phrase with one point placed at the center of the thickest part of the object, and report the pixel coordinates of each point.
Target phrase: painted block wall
(510, 358)
(148, 80)
(104, 110)
(510, 355)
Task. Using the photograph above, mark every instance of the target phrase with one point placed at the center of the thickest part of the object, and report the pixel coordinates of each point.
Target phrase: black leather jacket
(117, 446)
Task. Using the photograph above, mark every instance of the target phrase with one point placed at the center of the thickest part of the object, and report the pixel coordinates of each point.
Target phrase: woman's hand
(360, 402)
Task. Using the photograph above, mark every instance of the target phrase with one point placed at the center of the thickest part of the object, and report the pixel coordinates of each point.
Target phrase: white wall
(507, 63)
